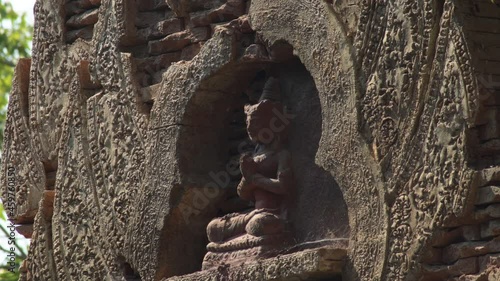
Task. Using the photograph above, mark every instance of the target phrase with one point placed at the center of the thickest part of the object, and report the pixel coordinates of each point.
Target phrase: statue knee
(215, 231)
(265, 224)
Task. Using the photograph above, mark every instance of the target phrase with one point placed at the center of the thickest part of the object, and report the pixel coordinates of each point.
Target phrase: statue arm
(245, 190)
(280, 184)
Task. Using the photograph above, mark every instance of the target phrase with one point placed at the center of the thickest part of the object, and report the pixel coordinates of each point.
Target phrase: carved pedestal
(325, 263)
(245, 248)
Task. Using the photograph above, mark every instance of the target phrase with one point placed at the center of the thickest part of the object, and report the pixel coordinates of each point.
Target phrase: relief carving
(267, 181)
(127, 106)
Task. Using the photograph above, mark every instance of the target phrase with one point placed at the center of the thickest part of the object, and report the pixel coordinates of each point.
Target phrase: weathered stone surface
(447, 237)
(228, 11)
(151, 68)
(489, 261)
(190, 51)
(182, 8)
(23, 182)
(47, 204)
(463, 250)
(179, 40)
(489, 270)
(161, 28)
(492, 228)
(25, 230)
(133, 121)
(491, 211)
(488, 195)
(81, 16)
(432, 256)
(458, 268)
(80, 6)
(84, 19)
(305, 265)
(84, 33)
(471, 232)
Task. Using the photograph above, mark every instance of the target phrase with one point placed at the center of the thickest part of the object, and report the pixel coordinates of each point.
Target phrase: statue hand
(247, 165)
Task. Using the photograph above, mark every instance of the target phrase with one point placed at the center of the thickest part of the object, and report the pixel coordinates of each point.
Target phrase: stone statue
(266, 181)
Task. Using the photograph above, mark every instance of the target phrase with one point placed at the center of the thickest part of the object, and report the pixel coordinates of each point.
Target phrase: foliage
(20, 253)
(6, 275)
(15, 41)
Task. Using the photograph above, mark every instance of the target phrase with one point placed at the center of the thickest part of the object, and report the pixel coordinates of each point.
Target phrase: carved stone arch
(168, 190)
(342, 150)
(203, 153)
(164, 190)
(204, 149)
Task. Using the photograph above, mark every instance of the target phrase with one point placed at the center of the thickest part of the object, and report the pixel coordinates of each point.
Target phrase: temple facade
(183, 140)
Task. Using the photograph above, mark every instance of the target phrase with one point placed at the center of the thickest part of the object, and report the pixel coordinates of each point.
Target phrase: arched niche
(319, 210)
(204, 151)
(211, 138)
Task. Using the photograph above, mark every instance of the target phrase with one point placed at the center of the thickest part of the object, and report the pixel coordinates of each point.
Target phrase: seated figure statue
(266, 180)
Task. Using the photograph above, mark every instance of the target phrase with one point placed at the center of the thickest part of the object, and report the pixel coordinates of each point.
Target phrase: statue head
(265, 122)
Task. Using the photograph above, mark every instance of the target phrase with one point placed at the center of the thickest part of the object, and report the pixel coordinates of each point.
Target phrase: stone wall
(468, 250)
(124, 124)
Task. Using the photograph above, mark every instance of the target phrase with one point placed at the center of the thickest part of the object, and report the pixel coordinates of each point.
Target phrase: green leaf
(2, 215)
